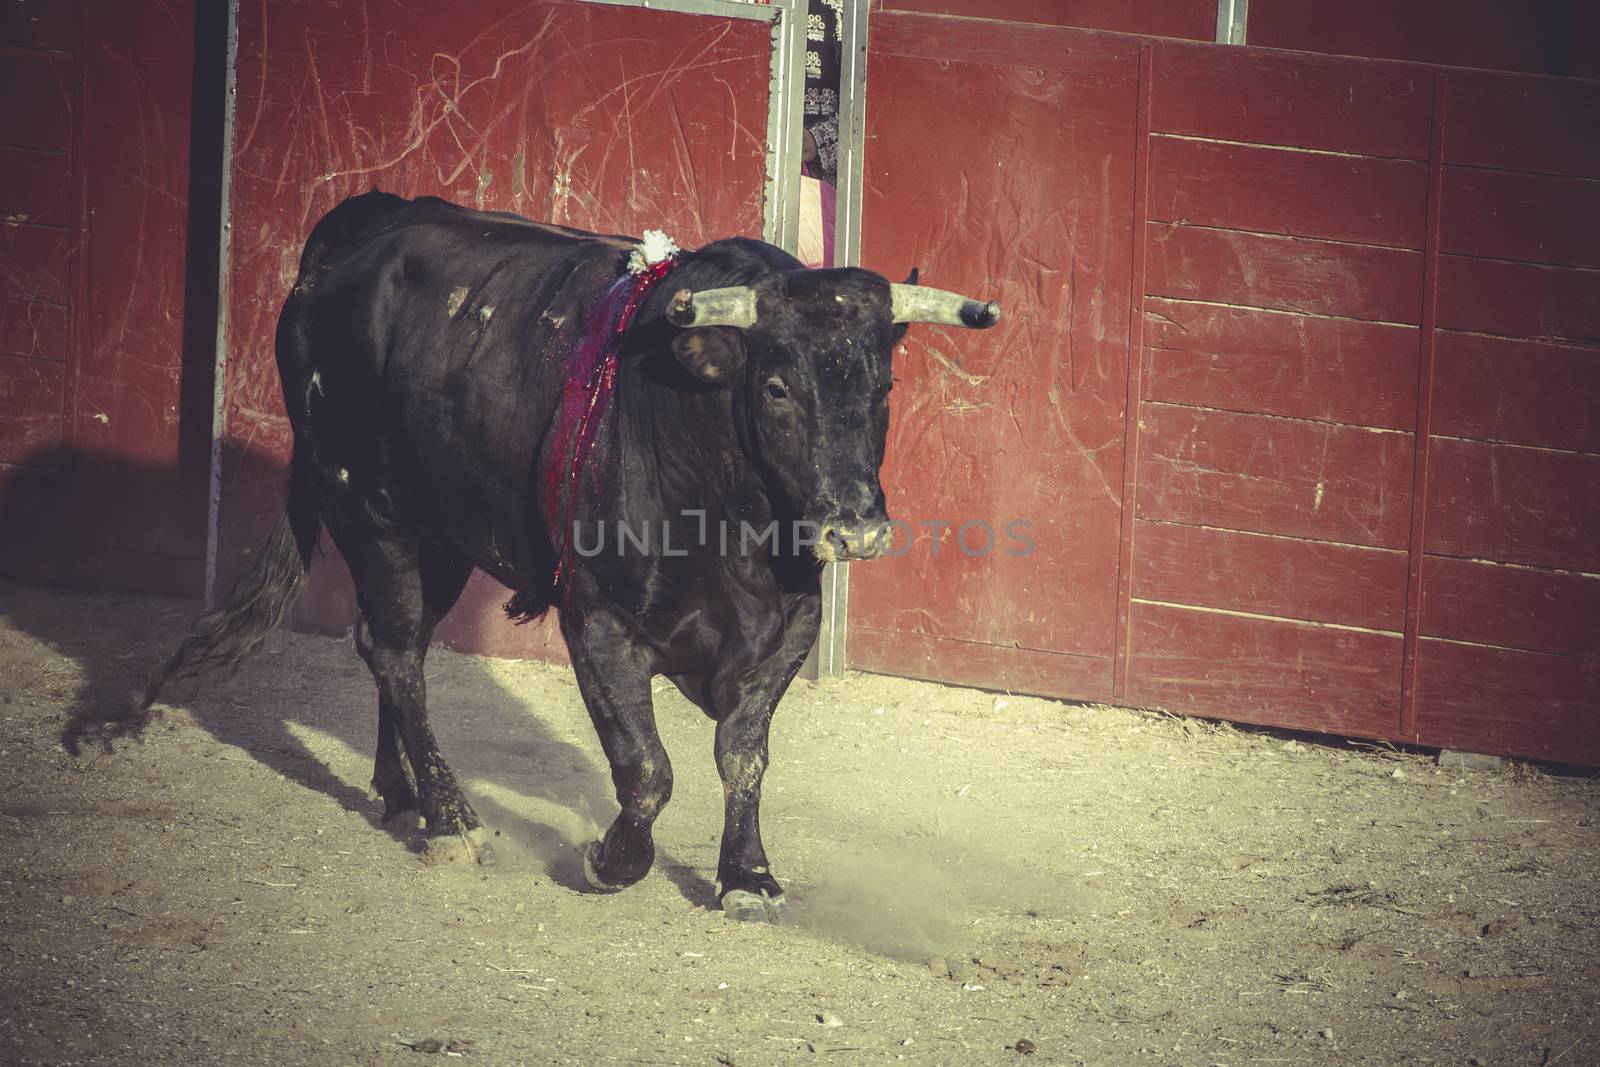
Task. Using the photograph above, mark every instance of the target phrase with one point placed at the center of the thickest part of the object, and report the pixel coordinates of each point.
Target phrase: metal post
(219, 364)
(852, 134)
(828, 659)
(785, 124)
(1233, 16)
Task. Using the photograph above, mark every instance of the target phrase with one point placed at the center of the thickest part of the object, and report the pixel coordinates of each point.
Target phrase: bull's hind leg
(390, 775)
(441, 581)
(403, 588)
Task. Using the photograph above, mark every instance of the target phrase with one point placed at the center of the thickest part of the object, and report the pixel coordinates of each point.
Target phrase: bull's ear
(711, 353)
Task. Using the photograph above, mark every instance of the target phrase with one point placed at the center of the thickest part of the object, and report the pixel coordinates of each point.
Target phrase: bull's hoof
(590, 855)
(743, 906)
(465, 848)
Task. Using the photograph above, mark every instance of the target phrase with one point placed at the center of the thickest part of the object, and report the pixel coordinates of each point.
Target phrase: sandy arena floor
(978, 879)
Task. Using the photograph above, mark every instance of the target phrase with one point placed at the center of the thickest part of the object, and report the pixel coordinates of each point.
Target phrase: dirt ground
(978, 878)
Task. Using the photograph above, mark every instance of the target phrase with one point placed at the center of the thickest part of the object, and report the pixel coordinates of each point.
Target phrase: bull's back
(430, 342)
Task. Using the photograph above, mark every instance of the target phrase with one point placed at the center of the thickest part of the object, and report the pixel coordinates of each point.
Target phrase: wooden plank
(1538, 218)
(1529, 124)
(1075, 61)
(140, 410)
(1192, 19)
(35, 537)
(1583, 40)
(1025, 421)
(1265, 575)
(44, 80)
(1285, 273)
(1303, 101)
(1242, 359)
(1427, 363)
(32, 329)
(37, 187)
(48, 24)
(35, 262)
(1275, 190)
(1521, 392)
(1508, 702)
(1490, 34)
(1265, 671)
(1514, 607)
(1514, 504)
(1016, 670)
(1135, 371)
(1519, 299)
(32, 419)
(1269, 475)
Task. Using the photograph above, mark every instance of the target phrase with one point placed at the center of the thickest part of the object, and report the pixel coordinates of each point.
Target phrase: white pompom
(656, 247)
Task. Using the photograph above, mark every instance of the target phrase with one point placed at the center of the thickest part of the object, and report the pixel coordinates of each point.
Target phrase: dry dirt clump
(978, 879)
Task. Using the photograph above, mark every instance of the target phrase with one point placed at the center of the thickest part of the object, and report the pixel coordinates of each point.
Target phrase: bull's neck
(686, 448)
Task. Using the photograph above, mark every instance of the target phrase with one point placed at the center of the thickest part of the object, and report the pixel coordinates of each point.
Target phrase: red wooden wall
(1507, 646)
(1531, 37)
(606, 118)
(104, 399)
(1297, 384)
(1534, 37)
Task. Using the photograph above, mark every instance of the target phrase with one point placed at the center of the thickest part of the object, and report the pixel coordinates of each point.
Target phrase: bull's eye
(776, 391)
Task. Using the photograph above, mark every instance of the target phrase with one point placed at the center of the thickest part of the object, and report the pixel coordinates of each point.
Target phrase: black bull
(427, 357)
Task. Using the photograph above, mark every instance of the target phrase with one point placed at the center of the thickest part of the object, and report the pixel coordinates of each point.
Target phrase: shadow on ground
(307, 709)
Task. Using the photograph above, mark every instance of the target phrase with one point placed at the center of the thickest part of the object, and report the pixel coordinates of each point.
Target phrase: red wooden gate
(104, 398)
(606, 118)
(1298, 387)
(1347, 481)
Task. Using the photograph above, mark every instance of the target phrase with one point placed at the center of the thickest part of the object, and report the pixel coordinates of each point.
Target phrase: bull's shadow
(307, 708)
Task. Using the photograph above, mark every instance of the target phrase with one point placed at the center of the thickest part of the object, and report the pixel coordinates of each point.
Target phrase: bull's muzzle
(841, 542)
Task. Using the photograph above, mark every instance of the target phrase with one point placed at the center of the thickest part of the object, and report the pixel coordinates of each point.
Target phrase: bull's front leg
(748, 891)
(614, 678)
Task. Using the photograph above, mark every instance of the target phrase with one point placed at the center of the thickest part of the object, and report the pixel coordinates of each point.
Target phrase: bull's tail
(259, 600)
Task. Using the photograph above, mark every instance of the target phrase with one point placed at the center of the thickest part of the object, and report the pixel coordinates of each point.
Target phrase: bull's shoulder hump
(508, 224)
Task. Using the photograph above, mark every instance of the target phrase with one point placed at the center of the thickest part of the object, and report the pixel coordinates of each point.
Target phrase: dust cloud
(916, 897)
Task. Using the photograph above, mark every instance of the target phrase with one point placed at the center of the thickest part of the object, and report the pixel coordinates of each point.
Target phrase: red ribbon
(586, 392)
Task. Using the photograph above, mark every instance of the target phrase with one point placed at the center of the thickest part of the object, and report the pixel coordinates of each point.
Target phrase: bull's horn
(733, 306)
(918, 303)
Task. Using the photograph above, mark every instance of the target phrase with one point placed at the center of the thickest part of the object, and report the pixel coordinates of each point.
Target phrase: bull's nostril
(850, 536)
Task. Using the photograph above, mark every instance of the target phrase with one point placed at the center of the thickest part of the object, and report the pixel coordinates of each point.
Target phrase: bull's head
(810, 352)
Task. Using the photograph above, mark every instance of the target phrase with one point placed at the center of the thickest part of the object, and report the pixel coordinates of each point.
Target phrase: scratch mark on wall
(485, 176)
(265, 24)
(1088, 453)
(952, 368)
(561, 188)
(1346, 627)
(1071, 286)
